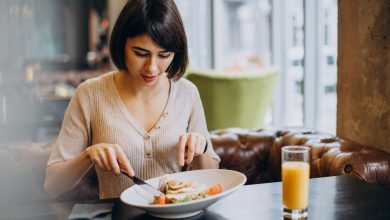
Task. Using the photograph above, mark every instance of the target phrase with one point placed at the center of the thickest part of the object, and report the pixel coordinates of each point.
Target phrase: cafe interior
(270, 74)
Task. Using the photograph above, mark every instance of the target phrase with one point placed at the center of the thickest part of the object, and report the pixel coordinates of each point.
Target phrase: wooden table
(339, 197)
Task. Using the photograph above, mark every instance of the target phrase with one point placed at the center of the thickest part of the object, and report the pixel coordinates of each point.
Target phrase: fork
(162, 181)
(186, 167)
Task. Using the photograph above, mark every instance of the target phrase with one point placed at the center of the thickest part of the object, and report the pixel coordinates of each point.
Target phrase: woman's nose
(151, 65)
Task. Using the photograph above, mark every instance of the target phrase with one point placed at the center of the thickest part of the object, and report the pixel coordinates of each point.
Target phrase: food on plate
(177, 191)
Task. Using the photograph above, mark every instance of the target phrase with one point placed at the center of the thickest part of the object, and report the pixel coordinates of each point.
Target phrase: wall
(114, 8)
(363, 111)
(51, 33)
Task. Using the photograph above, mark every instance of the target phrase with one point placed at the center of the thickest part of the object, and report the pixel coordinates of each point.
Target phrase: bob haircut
(161, 20)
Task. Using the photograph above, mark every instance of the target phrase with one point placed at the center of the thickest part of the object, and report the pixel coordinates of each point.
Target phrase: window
(327, 99)
(300, 39)
(306, 93)
(242, 34)
(294, 72)
(197, 19)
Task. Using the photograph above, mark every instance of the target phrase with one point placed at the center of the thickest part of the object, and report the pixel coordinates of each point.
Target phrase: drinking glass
(295, 179)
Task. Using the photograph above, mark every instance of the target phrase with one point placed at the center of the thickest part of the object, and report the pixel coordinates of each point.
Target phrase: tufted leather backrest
(257, 154)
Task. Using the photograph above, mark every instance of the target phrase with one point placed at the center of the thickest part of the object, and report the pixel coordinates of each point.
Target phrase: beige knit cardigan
(97, 114)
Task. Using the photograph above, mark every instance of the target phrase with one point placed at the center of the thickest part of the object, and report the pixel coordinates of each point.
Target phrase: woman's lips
(148, 78)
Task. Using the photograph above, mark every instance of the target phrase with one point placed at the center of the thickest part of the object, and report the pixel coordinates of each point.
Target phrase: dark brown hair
(161, 20)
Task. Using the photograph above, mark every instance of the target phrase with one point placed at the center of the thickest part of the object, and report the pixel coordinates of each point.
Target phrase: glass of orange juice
(295, 180)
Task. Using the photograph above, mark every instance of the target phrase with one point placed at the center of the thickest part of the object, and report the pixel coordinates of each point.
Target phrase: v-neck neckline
(129, 117)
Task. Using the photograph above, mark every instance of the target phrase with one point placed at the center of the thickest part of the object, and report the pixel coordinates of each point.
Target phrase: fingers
(110, 158)
(104, 160)
(190, 146)
(123, 162)
(98, 162)
(94, 155)
(182, 149)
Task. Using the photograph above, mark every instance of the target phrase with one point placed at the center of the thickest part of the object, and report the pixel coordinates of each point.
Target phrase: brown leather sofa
(256, 153)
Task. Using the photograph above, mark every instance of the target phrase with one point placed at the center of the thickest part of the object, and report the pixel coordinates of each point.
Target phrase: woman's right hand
(109, 157)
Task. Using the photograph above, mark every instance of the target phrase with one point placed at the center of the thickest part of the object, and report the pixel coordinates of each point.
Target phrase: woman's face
(145, 60)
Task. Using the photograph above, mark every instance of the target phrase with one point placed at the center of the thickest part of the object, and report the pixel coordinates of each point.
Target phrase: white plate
(229, 179)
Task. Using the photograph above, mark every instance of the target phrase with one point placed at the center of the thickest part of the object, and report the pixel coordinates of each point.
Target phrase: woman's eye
(141, 54)
(164, 56)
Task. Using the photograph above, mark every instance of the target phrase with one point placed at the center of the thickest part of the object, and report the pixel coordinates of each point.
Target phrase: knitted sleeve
(75, 133)
(197, 122)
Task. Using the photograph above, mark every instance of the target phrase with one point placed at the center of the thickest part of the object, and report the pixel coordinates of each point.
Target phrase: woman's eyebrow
(145, 50)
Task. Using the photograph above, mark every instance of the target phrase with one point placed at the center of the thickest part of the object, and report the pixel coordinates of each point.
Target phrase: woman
(143, 118)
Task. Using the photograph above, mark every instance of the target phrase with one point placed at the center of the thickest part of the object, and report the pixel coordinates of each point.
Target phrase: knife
(145, 186)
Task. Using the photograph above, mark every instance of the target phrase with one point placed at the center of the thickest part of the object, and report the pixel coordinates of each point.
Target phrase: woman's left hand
(190, 146)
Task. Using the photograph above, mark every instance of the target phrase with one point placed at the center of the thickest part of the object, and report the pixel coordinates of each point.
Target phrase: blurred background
(47, 48)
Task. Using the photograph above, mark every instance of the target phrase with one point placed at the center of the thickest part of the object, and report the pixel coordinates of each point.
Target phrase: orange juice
(295, 177)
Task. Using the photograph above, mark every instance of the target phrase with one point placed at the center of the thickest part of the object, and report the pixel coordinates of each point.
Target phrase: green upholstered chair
(234, 99)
